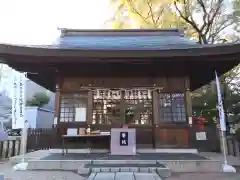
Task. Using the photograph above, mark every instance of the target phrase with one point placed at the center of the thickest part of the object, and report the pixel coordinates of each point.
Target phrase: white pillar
(1, 176)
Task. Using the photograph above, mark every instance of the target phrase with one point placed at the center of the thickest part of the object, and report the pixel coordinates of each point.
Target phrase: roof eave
(10, 50)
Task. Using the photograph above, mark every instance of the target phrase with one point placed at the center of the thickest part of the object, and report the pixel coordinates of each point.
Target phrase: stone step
(124, 176)
(160, 169)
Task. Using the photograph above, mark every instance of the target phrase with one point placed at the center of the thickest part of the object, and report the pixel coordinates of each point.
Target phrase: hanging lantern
(200, 121)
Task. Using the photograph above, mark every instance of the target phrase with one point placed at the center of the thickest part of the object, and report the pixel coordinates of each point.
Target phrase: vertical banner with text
(220, 105)
(18, 101)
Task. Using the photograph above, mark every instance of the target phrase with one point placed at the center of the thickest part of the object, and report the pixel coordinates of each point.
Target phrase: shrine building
(136, 78)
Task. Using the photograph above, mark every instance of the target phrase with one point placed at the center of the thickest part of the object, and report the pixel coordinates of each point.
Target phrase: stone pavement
(6, 168)
(232, 160)
(9, 174)
(204, 176)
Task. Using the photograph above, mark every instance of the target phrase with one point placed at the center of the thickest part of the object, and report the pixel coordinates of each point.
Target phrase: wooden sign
(77, 83)
(123, 138)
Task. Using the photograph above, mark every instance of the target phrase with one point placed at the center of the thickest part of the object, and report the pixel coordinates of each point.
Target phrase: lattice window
(69, 103)
(138, 106)
(172, 107)
(106, 106)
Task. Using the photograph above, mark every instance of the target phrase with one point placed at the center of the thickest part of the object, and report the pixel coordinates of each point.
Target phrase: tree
(143, 14)
(209, 19)
(204, 100)
(206, 21)
(236, 12)
(39, 99)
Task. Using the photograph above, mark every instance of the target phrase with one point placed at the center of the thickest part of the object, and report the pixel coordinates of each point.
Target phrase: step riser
(124, 176)
(162, 172)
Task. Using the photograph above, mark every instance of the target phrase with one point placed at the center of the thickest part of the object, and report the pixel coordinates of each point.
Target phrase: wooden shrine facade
(157, 107)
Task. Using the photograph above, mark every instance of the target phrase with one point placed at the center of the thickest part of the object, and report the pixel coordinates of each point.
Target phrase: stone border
(56, 165)
(184, 151)
(124, 161)
(193, 165)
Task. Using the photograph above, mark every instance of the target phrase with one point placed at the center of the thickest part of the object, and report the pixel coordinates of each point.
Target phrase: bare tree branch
(134, 10)
(151, 12)
(215, 13)
(159, 14)
(205, 14)
(193, 24)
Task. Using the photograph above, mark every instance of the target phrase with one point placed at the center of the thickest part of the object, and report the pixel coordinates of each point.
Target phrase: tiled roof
(126, 41)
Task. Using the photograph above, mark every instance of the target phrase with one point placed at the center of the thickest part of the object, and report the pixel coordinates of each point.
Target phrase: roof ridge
(122, 32)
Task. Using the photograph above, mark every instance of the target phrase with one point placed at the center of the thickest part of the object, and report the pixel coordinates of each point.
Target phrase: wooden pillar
(90, 108)
(155, 107)
(155, 121)
(188, 99)
(57, 97)
(188, 104)
(123, 109)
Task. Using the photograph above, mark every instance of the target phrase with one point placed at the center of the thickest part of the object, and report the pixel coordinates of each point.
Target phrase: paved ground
(204, 176)
(41, 175)
(234, 161)
(6, 169)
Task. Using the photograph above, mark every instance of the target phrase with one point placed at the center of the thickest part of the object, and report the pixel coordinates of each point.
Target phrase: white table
(72, 136)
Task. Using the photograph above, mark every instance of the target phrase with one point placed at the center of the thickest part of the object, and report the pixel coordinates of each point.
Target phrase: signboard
(80, 115)
(72, 131)
(123, 141)
(201, 136)
(18, 101)
(123, 138)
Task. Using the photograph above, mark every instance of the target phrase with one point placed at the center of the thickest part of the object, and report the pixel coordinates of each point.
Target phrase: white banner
(220, 106)
(18, 101)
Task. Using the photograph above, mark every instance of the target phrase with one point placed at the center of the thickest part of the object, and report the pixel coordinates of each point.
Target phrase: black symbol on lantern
(123, 138)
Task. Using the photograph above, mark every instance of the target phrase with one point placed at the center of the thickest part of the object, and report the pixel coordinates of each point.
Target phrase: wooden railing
(40, 139)
(37, 139)
(10, 147)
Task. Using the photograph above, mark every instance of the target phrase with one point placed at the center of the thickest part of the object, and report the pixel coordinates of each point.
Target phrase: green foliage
(204, 100)
(39, 99)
